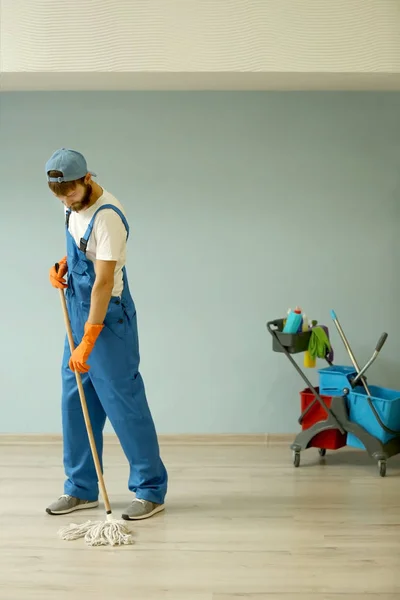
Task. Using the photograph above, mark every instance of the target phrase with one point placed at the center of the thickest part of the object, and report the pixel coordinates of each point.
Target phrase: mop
(96, 533)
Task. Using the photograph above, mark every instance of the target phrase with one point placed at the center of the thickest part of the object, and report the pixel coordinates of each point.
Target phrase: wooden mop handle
(85, 409)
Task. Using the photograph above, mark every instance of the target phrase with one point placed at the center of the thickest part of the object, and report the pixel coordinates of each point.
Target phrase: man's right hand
(57, 278)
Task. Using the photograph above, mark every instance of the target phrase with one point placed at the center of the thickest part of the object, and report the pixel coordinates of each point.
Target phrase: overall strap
(85, 239)
(67, 216)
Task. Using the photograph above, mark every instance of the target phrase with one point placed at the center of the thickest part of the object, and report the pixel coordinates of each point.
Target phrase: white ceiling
(50, 81)
(207, 45)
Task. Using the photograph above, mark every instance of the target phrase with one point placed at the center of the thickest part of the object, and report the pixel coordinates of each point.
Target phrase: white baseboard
(257, 439)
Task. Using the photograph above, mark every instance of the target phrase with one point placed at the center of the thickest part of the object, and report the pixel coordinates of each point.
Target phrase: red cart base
(329, 440)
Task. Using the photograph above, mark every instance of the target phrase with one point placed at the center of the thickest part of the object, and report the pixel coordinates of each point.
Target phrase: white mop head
(99, 533)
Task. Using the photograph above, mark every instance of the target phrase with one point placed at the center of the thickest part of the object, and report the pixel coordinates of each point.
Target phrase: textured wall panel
(200, 35)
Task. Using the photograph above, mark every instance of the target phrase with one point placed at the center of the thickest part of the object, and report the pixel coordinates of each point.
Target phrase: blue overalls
(113, 387)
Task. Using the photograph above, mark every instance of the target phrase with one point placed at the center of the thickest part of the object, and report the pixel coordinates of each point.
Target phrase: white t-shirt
(108, 238)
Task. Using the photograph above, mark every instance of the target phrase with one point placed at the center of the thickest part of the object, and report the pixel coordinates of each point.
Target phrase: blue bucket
(386, 403)
(332, 380)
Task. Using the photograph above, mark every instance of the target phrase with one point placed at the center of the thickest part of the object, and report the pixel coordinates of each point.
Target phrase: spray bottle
(293, 321)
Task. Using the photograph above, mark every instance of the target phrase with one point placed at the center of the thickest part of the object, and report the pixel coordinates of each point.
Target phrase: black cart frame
(337, 414)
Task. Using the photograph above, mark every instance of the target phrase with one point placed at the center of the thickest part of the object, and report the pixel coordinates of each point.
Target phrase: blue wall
(241, 205)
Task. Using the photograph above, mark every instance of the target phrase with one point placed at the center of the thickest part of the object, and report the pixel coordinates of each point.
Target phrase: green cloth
(319, 344)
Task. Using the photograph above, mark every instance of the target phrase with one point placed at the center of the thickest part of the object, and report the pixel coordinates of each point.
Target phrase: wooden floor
(241, 523)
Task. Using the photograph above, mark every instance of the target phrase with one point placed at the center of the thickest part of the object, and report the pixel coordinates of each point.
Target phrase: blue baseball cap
(70, 163)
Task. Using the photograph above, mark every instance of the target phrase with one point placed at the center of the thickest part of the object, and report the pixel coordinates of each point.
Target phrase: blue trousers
(124, 401)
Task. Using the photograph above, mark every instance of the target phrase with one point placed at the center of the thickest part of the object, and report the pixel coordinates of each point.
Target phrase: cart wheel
(322, 452)
(382, 467)
(296, 459)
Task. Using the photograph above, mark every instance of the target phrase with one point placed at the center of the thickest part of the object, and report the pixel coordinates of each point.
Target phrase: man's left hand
(79, 357)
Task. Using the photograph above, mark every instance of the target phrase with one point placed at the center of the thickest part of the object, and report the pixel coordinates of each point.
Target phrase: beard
(85, 200)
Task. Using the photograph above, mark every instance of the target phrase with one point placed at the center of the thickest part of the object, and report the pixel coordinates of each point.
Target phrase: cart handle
(378, 348)
(382, 340)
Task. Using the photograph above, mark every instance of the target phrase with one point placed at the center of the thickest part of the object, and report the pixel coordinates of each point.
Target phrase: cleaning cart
(343, 409)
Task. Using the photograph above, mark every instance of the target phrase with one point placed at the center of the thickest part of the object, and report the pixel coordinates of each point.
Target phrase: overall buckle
(83, 245)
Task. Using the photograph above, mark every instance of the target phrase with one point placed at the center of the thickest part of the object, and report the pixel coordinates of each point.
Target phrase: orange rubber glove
(78, 359)
(57, 278)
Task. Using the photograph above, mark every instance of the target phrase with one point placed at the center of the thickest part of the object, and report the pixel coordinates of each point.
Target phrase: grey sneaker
(141, 509)
(67, 504)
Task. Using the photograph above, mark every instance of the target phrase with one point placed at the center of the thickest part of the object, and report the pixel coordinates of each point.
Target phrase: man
(103, 321)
